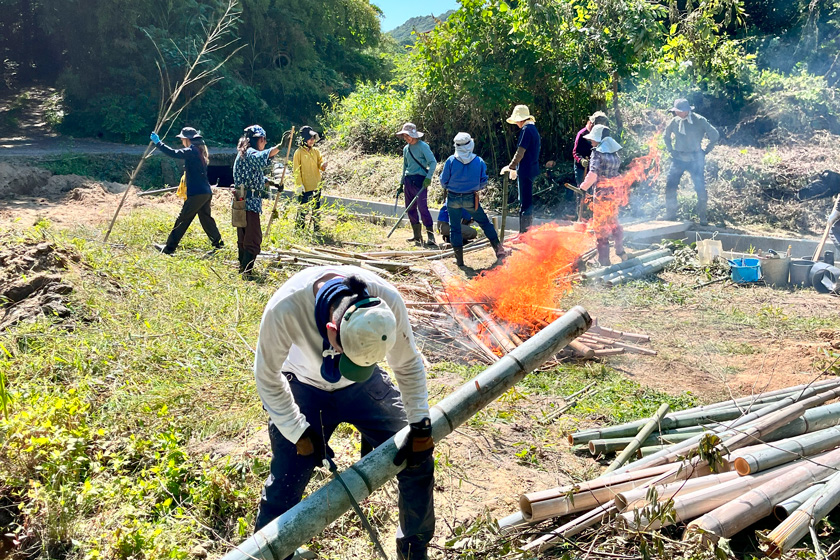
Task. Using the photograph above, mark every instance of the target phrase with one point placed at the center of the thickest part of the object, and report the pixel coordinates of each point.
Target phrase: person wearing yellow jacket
(307, 164)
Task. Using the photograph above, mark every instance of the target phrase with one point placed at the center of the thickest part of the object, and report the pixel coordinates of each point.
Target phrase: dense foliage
(296, 54)
(406, 34)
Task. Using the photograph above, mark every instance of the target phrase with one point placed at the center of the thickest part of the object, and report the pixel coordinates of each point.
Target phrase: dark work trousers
(695, 164)
(412, 186)
(526, 195)
(467, 201)
(307, 200)
(249, 238)
(197, 205)
(376, 410)
(468, 232)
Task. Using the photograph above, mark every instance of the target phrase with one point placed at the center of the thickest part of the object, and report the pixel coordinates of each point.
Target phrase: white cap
(367, 335)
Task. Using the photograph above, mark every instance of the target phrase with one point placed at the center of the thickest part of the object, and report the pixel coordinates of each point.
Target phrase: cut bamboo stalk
(576, 502)
(602, 446)
(608, 480)
(639, 272)
(629, 263)
(581, 350)
(730, 518)
(601, 353)
(669, 455)
(785, 536)
(783, 510)
(635, 349)
(612, 333)
(788, 450)
(572, 528)
(694, 504)
(637, 497)
(643, 434)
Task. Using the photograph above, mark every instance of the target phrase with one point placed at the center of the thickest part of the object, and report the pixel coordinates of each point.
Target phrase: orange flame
(614, 193)
(523, 290)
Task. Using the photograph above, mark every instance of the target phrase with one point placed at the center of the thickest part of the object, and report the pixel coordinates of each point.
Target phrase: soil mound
(31, 282)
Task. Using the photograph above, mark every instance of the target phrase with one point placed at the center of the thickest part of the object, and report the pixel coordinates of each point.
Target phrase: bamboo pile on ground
(776, 452)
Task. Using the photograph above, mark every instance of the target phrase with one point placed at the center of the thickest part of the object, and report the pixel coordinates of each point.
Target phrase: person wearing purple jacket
(582, 148)
(464, 175)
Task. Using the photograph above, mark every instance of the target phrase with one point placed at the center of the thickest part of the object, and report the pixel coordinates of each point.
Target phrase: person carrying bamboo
(321, 337)
(525, 165)
(199, 195)
(464, 175)
(419, 165)
(249, 168)
(308, 164)
(604, 164)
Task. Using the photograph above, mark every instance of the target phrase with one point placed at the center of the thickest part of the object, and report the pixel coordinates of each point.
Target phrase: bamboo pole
(638, 272)
(602, 446)
(637, 498)
(758, 503)
(693, 504)
(636, 443)
(572, 528)
(783, 510)
(577, 502)
(280, 189)
(637, 259)
(785, 536)
(478, 245)
(788, 450)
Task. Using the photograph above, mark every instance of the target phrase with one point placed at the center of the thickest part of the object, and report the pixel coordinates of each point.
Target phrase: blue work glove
(427, 182)
(154, 138)
(418, 446)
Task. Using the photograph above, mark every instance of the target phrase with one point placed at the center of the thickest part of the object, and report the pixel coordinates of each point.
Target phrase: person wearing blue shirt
(525, 165)
(199, 196)
(468, 232)
(464, 175)
(418, 169)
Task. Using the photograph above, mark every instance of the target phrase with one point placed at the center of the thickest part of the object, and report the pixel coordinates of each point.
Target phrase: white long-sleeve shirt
(289, 341)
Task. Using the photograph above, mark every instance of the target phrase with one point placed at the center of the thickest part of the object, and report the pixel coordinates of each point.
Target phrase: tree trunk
(616, 107)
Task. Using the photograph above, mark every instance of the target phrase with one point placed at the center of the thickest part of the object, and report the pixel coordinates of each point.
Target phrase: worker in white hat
(419, 166)
(525, 165)
(321, 337)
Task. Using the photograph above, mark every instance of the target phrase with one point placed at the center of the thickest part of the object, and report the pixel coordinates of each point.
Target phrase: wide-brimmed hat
(368, 331)
(255, 131)
(410, 129)
(189, 133)
(606, 143)
(599, 117)
(306, 133)
(462, 139)
(682, 105)
(520, 113)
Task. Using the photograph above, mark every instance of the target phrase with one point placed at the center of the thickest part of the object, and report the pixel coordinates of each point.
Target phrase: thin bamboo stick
(572, 528)
(280, 188)
(636, 443)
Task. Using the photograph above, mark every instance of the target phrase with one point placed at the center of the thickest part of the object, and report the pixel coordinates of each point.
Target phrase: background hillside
(420, 24)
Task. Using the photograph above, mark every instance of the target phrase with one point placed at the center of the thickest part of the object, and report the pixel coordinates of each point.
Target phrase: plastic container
(824, 277)
(799, 272)
(775, 271)
(745, 270)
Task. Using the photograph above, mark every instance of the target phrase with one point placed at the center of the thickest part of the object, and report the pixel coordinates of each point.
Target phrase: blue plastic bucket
(745, 270)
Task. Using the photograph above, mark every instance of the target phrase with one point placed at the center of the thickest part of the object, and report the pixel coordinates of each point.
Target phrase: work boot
(161, 248)
(418, 233)
(459, 256)
(248, 262)
(498, 248)
(241, 260)
(431, 238)
(525, 221)
(411, 550)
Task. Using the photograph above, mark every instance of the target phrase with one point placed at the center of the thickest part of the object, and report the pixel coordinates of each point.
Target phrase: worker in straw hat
(321, 337)
(464, 175)
(684, 141)
(419, 165)
(604, 163)
(525, 165)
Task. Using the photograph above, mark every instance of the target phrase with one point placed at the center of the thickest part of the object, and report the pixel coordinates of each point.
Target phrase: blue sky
(398, 11)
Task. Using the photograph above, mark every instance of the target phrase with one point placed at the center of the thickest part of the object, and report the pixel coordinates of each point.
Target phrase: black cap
(189, 133)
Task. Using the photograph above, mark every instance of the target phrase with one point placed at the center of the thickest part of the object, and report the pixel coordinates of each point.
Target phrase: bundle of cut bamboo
(795, 474)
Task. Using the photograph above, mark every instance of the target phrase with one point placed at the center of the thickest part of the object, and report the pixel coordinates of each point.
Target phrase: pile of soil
(32, 284)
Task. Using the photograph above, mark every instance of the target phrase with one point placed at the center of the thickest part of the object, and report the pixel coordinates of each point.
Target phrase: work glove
(418, 446)
(400, 189)
(833, 217)
(427, 182)
(154, 138)
(312, 444)
(584, 162)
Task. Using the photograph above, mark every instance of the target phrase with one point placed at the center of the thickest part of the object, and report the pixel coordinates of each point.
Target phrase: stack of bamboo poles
(778, 452)
(644, 263)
